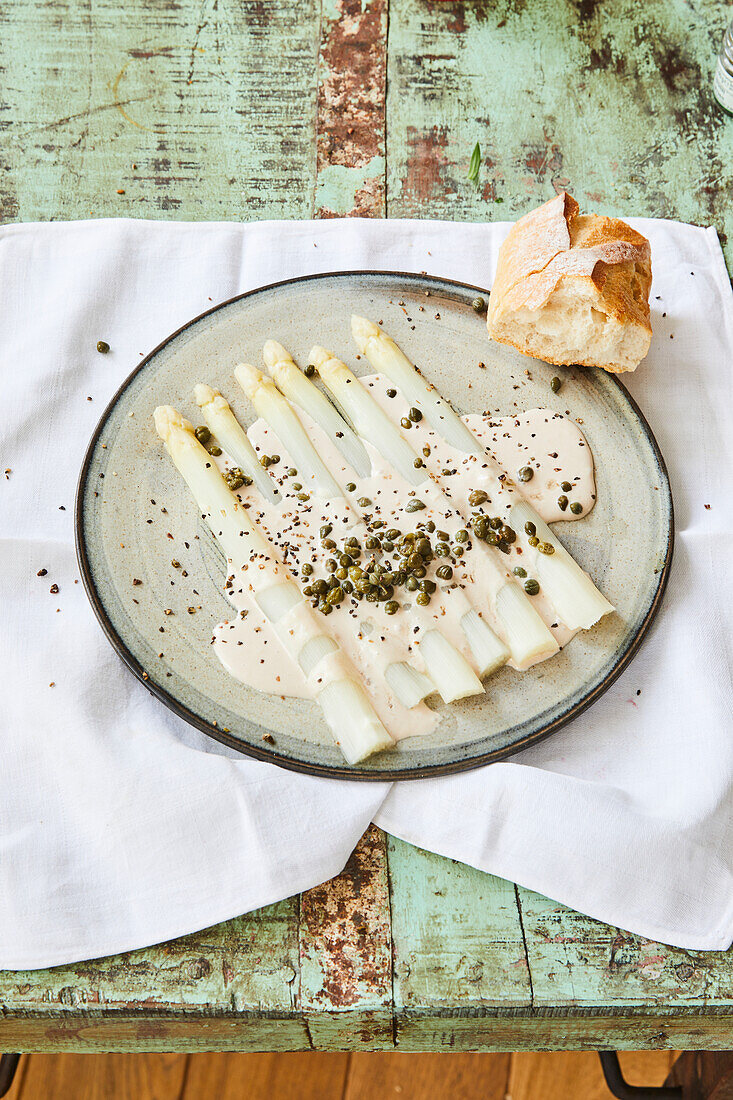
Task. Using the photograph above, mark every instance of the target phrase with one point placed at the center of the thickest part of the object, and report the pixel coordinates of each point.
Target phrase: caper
(373, 594)
(356, 573)
(325, 607)
(546, 548)
(235, 483)
(102, 347)
(363, 584)
(562, 503)
(274, 459)
(214, 450)
(495, 523)
(307, 569)
(391, 393)
(445, 572)
(442, 535)
(507, 534)
(363, 502)
(347, 587)
(414, 561)
(350, 487)
(352, 540)
(303, 496)
(530, 528)
(555, 384)
(420, 571)
(427, 586)
(423, 547)
(386, 591)
(377, 523)
(325, 530)
(393, 534)
(331, 565)
(518, 571)
(344, 560)
(265, 461)
(391, 607)
(398, 578)
(341, 573)
(203, 434)
(387, 546)
(480, 527)
(533, 540)
(296, 485)
(423, 599)
(531, 587)
(576, 508)
(566, 486)
(479, 305)
(319, 587)
(406, 422)
(418, 463)
(335, 596)
(310, 370)
(430, 526)
(477, 496)
(462, 535)
(292, 472)
(328, 544)
(526, 473)
(457, 551)
(411, 584)
(246, 480)
(426, 450)
(415, 415)
(492, 538)
(388, 577)
(308, 590)
(414, 505)
(372, 542)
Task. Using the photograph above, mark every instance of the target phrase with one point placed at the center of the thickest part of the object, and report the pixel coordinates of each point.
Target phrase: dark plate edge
(334, 771)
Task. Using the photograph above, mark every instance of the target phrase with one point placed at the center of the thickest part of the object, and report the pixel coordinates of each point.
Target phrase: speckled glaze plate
(127, 481)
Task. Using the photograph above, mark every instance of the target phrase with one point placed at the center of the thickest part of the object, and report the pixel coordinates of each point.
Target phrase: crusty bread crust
(602, 261)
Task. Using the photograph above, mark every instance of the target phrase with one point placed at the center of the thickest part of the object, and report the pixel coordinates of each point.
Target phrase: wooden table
(219, 109)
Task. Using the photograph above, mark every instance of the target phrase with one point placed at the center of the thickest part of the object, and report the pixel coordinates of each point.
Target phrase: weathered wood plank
(612, 101)
(579, 962)
(247, 964)
(346, 953)
(352, 78)
(192, 108)
(457, 936)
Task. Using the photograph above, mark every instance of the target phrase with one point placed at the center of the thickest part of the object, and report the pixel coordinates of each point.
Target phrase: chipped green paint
(295, 108)
(338, 187)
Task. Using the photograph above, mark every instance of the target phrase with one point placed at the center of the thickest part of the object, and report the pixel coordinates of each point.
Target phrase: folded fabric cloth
(120, 826)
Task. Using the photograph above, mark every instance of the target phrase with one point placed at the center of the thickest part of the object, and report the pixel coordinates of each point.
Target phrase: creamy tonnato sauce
(547, 443)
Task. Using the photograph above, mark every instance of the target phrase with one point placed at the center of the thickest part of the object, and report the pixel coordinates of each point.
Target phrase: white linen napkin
(120, 826)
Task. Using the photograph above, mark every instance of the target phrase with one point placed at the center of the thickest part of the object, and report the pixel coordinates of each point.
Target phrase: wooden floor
(575, 1076)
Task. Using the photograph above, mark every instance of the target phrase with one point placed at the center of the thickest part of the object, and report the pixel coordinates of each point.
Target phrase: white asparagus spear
(282, 418)
(270, 404)
(300, 391)
(523, 630)
(346, 707)
(580, 602)
(220, 420)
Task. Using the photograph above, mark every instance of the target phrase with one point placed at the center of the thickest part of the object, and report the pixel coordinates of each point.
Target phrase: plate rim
(346, 771)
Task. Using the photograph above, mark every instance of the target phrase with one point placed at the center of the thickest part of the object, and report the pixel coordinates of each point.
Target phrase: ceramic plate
(127, 481)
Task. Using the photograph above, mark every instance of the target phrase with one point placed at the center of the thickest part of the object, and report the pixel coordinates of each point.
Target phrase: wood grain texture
(579, 1074)
(433, 1076)
(612, 101)
(346, 953)
(352, 77)
(213, 101)
(109, 1077)
(264, 1077)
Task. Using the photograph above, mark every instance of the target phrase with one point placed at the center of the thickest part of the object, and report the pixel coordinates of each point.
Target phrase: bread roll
(573, 288)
